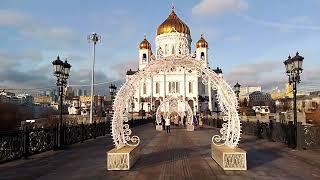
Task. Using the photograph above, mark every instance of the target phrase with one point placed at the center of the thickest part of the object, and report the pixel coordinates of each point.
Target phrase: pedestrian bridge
(178, 155)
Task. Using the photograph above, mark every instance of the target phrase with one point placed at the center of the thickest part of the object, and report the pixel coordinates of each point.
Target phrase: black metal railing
(11, 145)
(311, 138)
(24, 143)
(30, 141)
(308, 135)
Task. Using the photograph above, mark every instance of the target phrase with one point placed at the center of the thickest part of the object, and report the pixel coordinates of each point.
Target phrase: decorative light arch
(175, 101)
(230, 131)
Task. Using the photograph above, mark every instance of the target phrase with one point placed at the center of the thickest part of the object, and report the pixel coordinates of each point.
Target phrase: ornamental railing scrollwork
(30, 141)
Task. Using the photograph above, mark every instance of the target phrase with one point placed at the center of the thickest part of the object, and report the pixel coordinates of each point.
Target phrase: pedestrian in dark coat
(163, 123)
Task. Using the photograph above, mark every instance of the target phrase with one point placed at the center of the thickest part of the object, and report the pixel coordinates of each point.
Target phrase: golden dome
(145, 44)
(202, 43)
(173, 24)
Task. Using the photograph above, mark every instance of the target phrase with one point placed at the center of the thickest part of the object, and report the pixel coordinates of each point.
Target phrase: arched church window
(202, 56)
(177, 87)
(166, 49)
(190, 87)
(173, 88)
(203, 89)
(144, 88)
(173, 50)
(144, 56)
(157, 88)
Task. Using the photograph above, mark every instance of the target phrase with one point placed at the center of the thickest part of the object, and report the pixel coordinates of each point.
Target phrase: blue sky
(248, 39)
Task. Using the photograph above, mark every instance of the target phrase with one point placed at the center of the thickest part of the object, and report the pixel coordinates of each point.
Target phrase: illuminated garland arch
(175, 101)
(230, 131)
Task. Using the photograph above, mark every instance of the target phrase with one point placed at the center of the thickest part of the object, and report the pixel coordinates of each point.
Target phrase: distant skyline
(248, 39)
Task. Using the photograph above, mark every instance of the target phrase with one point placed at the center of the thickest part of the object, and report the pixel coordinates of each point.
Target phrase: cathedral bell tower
(144, 53)
(202, 51)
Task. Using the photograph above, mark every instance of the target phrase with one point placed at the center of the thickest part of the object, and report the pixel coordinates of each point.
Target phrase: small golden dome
(202, 43)
(173, 24)
(145, 44)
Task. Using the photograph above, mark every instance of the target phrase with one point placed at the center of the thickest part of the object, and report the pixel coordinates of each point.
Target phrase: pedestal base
(229, 158)
(122, 159)
(159, 128)
(190, 127)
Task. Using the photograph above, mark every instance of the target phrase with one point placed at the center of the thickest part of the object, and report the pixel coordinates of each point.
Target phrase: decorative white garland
(230, 131)
(174, 103)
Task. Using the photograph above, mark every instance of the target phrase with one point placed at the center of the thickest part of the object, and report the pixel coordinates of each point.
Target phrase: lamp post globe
(57, 66)
(297, 61)
(288, 65)
(67, 68)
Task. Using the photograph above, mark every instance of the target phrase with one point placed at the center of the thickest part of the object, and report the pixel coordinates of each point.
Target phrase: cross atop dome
(172, 6)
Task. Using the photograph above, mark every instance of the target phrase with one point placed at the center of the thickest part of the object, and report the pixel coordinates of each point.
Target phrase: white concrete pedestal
(190, 127)
(229, 158)
(122, 159)
(159, 128)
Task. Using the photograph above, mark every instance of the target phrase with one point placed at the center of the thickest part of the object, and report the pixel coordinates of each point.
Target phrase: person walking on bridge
(168, 124)
(163, 123)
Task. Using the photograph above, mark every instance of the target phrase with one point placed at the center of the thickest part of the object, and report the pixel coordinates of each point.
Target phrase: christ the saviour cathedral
(174, 39)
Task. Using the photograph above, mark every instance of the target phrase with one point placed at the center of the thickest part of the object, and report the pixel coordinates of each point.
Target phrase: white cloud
(123, 67)
(13, 18)
(270, 74)
(214, 7)
(296, 23)
(47, 32)
(29, 27)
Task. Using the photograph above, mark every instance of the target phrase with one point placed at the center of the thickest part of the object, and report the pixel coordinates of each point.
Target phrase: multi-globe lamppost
(94, 38)
(112, 91)
(293, 70)
(237, 89)
(62, 72)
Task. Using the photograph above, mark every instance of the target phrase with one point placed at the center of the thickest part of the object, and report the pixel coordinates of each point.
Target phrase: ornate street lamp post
(62, 72)
(94, 38)
(112, 91)
(293, 70)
